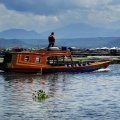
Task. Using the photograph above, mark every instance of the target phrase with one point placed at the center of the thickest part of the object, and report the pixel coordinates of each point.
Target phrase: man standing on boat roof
(51, 40)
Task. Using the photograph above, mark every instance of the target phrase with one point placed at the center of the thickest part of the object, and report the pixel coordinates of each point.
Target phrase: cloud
(52, 7)
(106, 17)
(42, 15)
(14, 19)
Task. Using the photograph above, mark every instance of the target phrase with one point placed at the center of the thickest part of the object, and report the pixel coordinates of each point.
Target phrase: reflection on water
(89, 96)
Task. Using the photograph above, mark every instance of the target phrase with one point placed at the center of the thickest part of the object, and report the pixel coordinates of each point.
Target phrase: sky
(43, 15)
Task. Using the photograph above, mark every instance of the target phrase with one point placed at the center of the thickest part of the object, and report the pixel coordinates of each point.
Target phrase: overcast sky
(42, 15)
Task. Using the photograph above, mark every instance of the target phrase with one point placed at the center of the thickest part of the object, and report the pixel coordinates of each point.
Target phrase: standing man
(51, 40)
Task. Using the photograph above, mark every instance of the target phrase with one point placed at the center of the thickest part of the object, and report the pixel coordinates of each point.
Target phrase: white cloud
(94, 12)
(91, 3)
(13, 19)
(115, 8)
(105, 17)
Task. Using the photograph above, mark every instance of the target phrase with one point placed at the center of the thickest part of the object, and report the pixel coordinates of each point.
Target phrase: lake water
(86, 96)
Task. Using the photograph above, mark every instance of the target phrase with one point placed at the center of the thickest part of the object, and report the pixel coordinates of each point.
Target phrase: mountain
(114, 43)
(75, 42)
(81, 30)
(78, 35)
(90, 42)
(8, 43)
(77, 30)
(19, 34)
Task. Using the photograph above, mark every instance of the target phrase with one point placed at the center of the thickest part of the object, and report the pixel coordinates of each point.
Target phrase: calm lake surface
(86, 96)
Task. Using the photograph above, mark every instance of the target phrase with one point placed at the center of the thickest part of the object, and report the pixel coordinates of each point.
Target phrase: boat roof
(46, 52)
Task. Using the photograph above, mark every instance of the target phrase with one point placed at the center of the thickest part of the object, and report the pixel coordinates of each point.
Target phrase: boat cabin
(39, 57)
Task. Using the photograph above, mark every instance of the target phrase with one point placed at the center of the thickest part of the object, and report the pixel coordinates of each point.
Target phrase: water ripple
(86, 96)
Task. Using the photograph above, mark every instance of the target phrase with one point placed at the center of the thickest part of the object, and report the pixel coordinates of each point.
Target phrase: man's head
(52, 33)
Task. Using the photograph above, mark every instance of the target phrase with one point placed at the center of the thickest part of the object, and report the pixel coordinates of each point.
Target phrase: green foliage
(39, 95)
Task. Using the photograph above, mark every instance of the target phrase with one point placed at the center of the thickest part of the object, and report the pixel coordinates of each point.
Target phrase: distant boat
(47, 61)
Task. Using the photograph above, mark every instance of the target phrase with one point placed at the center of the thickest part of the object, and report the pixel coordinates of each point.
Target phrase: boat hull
(55, 69)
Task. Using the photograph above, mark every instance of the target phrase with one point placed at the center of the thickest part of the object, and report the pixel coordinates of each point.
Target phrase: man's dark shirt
(51, 38)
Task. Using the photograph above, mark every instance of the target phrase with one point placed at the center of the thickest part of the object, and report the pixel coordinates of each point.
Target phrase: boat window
(37, 60)
(55, 60)
(26, 58)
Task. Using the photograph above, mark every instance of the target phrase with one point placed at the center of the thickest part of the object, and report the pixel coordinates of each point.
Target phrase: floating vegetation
(39, 95)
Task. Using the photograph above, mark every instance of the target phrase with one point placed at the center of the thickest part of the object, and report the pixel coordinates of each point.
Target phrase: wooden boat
(47, 61)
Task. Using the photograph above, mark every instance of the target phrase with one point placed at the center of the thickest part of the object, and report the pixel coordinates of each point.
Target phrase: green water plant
(39, 95)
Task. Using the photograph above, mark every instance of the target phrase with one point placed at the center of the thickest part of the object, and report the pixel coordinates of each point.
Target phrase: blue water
(86, 96)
